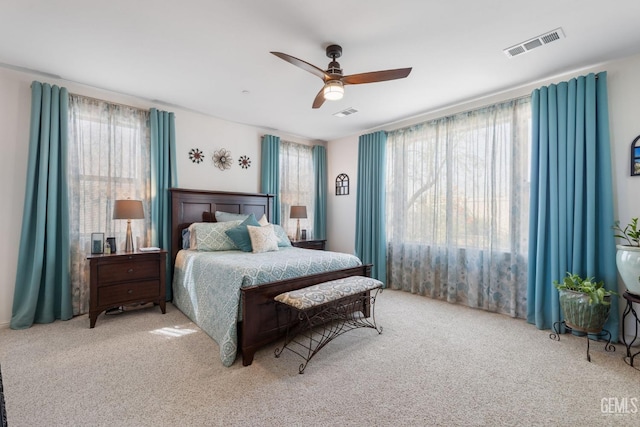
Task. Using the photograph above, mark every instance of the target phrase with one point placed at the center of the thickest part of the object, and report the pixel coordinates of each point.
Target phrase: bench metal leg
(320, 326)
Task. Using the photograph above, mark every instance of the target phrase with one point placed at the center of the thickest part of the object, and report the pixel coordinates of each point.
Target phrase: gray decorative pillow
(226, 216)
(212, 236)
(263, 239)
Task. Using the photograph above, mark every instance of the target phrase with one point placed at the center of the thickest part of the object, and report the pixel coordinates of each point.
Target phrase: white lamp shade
(333, 90)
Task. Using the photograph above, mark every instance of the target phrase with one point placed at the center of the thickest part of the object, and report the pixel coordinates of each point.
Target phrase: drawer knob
(130, 291)
(130, 270)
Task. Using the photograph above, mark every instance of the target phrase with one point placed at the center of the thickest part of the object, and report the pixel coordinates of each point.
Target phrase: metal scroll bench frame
(326, 311)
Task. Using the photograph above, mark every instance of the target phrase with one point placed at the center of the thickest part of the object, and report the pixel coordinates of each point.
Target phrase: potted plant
(584, 302)
(628, 255)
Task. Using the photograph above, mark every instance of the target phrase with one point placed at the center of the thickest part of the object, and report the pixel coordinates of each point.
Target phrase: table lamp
(298, 212)
(128, 209)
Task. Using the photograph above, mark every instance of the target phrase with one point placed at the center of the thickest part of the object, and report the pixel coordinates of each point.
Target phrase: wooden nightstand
(309, 244)
(126, 278)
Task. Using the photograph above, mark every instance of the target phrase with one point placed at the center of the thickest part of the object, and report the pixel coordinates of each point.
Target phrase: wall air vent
(535, 42)
(346, 112)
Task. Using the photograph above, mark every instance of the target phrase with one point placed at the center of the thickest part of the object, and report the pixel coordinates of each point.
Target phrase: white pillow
(281, 235)
(263, 239)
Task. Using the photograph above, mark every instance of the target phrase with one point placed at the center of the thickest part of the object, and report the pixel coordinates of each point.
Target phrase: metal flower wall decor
(222, 159)
(195, 155)
(244, 162)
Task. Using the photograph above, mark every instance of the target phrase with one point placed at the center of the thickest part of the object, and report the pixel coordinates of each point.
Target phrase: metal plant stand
(631, 298)
(597, 336)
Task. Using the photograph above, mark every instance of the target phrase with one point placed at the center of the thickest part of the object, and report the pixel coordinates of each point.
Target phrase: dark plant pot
(581, 316)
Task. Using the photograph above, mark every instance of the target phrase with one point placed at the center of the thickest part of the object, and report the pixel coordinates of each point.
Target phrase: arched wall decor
(342, 184)
(635, 157)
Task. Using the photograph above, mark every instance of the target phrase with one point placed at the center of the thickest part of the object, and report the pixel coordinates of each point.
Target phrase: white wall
(624, 119)
(193, 130)
(210, 134)
(342, 157)
(15, 106)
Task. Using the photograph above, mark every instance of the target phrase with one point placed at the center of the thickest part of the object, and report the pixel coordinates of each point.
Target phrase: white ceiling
(212, 56)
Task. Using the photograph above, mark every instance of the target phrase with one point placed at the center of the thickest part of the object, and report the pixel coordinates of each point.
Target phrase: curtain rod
(110, 102)
(519, 98)
(91, 97)
(99, 99)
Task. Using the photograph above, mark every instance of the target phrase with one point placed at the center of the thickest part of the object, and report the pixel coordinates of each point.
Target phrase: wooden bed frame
(260, 324)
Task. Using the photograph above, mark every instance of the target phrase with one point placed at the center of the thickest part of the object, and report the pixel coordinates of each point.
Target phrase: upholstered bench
(327, 310)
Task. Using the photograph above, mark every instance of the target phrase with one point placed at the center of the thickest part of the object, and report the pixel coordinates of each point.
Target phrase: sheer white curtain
(109, 150)
(457, 208)
(297, 185)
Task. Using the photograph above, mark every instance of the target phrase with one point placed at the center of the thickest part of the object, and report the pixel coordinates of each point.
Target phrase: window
(297, 185)
(457, 207)
(109, 151)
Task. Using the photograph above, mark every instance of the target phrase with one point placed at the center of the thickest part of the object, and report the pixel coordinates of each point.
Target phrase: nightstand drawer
(309, 244)
(131, 270)
(128, 292)
(318, 245)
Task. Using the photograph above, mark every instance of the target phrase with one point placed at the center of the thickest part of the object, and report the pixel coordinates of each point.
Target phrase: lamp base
(128, 245)
(298, 230)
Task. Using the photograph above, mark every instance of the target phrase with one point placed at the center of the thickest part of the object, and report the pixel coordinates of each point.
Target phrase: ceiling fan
(334, 81)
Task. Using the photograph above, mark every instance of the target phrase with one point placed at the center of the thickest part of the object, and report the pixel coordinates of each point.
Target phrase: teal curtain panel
(163, 176)
(320, 173)
(42, 288)
(270, 173)
(370, 203)
(571, 204)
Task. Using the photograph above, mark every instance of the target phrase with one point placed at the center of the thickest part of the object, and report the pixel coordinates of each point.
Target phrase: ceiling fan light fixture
(334, 80)
(333, 90)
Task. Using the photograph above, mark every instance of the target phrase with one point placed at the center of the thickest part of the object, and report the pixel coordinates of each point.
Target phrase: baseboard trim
(4, 325)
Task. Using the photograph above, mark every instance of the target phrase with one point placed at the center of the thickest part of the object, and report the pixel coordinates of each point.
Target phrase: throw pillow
(226, 216)
(281, 235)
(240, 235)
(263, 220)
(211, 236)
(186, 238)
(263, 239)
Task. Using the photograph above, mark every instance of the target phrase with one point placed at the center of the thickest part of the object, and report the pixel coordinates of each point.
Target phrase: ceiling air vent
(346, 112)
(535, 42)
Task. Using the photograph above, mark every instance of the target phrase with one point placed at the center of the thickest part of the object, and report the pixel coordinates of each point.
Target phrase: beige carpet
(434, 364)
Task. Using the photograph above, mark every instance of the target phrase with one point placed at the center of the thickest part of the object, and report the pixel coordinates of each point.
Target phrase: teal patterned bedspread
(206, 285)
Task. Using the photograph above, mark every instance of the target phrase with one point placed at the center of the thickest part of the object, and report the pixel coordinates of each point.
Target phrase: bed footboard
(261, 325)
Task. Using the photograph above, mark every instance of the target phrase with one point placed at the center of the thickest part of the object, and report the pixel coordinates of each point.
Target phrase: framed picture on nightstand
(97, 243)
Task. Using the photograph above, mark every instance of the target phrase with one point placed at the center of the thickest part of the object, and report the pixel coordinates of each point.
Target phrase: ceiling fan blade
(376, 76)
(317, 103)
(304, 65)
